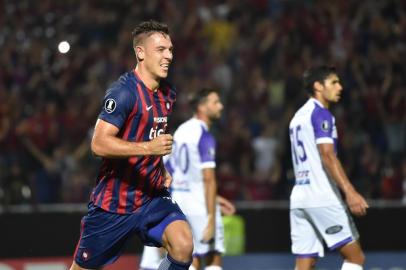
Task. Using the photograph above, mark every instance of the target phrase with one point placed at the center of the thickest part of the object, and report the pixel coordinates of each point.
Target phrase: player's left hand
(357, 204)
(168, 179)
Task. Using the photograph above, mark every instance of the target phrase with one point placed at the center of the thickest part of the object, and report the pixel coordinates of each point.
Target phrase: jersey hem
(324, 140)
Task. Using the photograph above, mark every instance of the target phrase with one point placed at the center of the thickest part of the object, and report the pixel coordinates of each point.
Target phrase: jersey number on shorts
(298, 149)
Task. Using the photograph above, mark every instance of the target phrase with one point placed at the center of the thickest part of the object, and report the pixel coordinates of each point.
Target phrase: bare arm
(37, 153)
(168, 179)
(210, 190)
(332, 164)
(227, 207)
(106, 144)
(81, 150)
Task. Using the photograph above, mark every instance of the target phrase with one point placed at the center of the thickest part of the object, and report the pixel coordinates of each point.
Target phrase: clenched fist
(357, 204)
(161, 145)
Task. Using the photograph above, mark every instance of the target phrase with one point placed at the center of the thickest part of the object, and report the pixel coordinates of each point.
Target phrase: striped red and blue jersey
(140, 114)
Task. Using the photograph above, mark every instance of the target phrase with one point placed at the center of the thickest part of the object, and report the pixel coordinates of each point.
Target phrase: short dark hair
(316, 74)
(148, 27)
(200, 97)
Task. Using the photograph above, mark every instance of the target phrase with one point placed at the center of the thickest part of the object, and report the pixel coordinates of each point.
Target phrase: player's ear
(317, 86)
(139, 53)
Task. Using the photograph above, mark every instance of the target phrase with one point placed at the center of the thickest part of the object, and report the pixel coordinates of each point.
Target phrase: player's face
(332, 89)
(158, 54)
(214, 107)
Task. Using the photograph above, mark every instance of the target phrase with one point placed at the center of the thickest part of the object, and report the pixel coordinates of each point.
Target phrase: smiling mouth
(165, 66)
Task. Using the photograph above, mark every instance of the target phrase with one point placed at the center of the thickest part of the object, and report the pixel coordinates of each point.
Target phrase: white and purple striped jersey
(312, 125)
(194, 149)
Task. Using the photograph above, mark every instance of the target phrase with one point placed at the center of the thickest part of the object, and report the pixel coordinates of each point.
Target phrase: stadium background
(254, 51)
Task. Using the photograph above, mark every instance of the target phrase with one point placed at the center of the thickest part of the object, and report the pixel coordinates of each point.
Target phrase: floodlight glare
(64, 47)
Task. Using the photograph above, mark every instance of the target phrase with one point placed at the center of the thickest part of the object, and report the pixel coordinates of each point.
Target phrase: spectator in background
(364, 39)
(265, 147)
(391, 184)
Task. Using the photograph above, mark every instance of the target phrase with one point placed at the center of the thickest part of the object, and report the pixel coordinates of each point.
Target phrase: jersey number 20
(181, 156)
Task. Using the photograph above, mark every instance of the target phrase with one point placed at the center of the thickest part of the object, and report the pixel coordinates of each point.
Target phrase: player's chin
(163, 73)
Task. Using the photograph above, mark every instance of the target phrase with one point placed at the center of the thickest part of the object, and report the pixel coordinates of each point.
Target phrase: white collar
(206, 127)
(318, 102)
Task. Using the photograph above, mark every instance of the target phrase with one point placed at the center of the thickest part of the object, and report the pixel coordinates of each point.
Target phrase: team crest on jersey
(325, 125)
(85, 255)
(110, 105)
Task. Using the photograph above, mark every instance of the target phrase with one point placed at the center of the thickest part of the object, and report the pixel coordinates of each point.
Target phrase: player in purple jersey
(131, 196)
(317, 211)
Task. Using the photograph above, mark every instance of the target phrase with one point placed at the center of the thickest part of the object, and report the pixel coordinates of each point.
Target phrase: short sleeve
(207, 150)
(117, 105)
(322, 122)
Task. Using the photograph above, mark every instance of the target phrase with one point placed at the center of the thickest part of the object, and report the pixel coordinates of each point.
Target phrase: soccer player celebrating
(131, 193)
(194, 187)
(317, 211)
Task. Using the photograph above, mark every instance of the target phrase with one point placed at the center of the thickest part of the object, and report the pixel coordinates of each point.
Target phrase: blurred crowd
(253, 51)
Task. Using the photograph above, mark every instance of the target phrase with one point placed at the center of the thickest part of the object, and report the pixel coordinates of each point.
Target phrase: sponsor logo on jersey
(156, 131)
(110, 105)
(302, 174)
(302, 182)
(161, 119)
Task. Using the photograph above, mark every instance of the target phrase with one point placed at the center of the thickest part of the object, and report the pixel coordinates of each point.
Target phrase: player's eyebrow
(163, 48)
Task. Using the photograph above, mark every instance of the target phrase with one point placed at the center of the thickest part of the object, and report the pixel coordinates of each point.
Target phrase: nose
(168, 54)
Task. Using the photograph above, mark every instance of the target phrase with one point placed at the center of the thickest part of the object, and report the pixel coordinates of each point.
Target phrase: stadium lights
(63, 47)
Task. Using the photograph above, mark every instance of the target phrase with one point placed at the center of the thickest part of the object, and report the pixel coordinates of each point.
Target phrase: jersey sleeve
(322, 122)
(117, 105)
(207, 150)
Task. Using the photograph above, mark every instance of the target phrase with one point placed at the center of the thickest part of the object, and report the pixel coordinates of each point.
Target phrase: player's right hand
(161, 145)
(208, 233)
(357, 204)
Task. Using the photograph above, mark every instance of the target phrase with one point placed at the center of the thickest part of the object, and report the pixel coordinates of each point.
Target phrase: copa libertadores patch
(110, 105)
(325, 125)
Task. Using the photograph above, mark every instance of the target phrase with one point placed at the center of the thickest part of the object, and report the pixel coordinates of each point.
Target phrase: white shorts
(151, 258)
(310, 226)
(198, 223)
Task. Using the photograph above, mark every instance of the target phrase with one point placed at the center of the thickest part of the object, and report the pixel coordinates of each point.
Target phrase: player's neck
(150, 82)
(203, 118)
(323, 101)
